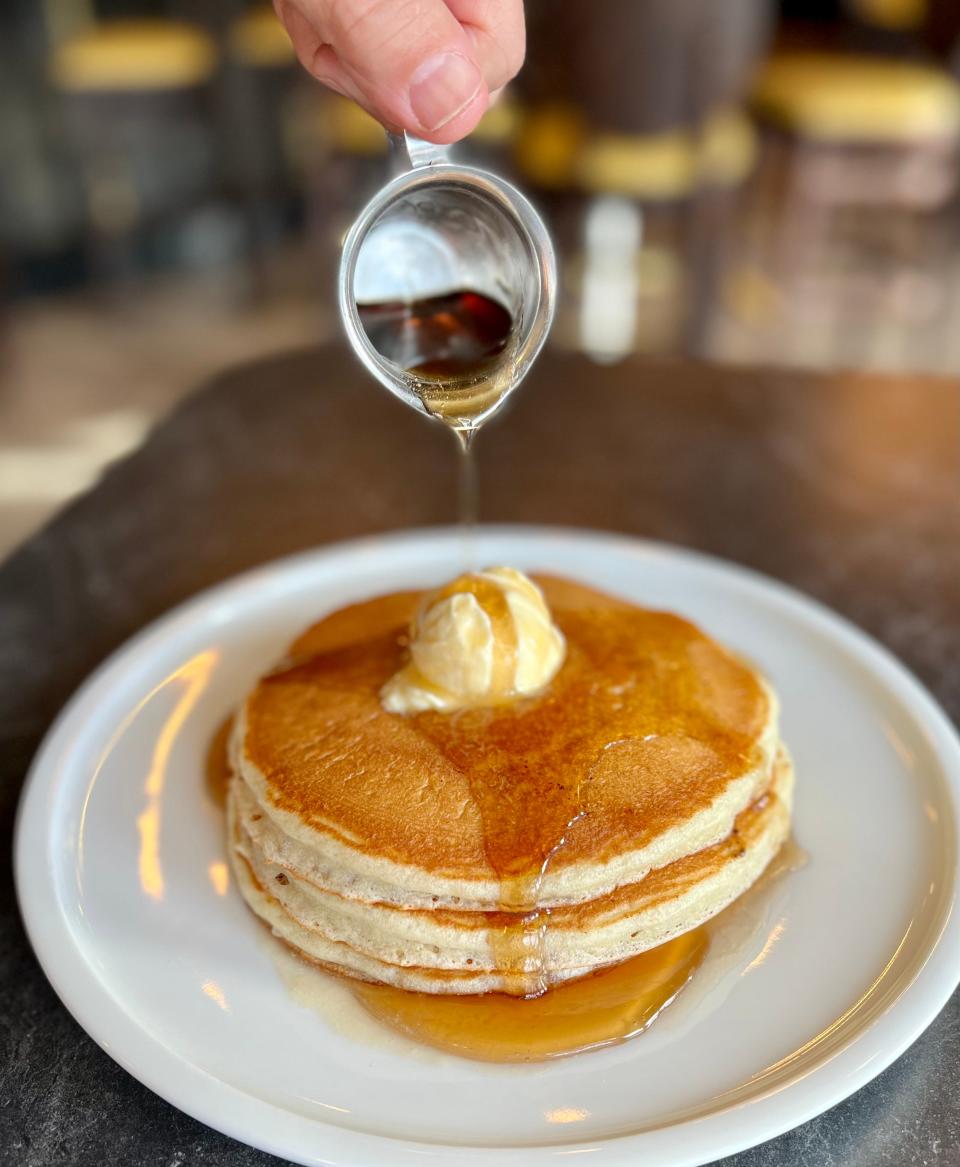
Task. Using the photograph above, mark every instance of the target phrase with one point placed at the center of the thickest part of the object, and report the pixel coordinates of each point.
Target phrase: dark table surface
(844, 486)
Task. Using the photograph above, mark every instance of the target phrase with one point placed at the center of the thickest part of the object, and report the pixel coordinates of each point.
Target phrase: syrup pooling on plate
(604, 1007)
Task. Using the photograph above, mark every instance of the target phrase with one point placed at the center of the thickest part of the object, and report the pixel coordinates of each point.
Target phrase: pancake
(523, 844)
(455, 952)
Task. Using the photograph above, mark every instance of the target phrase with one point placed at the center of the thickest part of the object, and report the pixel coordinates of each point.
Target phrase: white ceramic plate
(830, 974)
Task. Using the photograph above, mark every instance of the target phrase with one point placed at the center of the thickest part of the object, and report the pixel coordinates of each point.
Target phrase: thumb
(410, 62)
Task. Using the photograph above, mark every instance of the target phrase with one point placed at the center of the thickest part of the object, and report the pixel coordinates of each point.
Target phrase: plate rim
(282, 1132)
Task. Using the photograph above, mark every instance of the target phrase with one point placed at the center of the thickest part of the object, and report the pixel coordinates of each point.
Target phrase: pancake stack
(508, 848)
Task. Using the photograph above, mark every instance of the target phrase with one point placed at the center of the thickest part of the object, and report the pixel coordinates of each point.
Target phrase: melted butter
(607, 1006)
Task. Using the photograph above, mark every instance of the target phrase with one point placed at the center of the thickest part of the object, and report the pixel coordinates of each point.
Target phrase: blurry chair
(643, 222)
(136, 119)
(633, 137)
(859, 152)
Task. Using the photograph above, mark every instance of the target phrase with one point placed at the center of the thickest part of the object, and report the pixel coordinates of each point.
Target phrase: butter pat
(481, 640)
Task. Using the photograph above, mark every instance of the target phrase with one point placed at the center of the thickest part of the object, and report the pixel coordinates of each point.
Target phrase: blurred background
(735, 180)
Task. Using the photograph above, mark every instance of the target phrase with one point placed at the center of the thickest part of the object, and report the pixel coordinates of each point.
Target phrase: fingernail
(442, 87)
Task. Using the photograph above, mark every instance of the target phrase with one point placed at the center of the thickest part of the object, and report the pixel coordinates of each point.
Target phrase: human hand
(427, 66)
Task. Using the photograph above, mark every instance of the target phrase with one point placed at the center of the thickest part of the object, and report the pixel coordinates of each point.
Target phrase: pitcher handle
(410, 153)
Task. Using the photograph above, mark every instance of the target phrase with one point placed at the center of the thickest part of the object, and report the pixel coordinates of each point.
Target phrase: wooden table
(844, 486)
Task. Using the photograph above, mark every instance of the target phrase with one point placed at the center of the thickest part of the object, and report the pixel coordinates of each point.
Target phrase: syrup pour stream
(453, 347)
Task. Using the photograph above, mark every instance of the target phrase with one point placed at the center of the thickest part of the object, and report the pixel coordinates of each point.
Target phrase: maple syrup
(453, 347)
(600, 1009)
(445, 340)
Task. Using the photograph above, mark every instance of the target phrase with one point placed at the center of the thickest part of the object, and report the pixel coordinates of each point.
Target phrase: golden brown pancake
(450, 951)
(402, 847)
